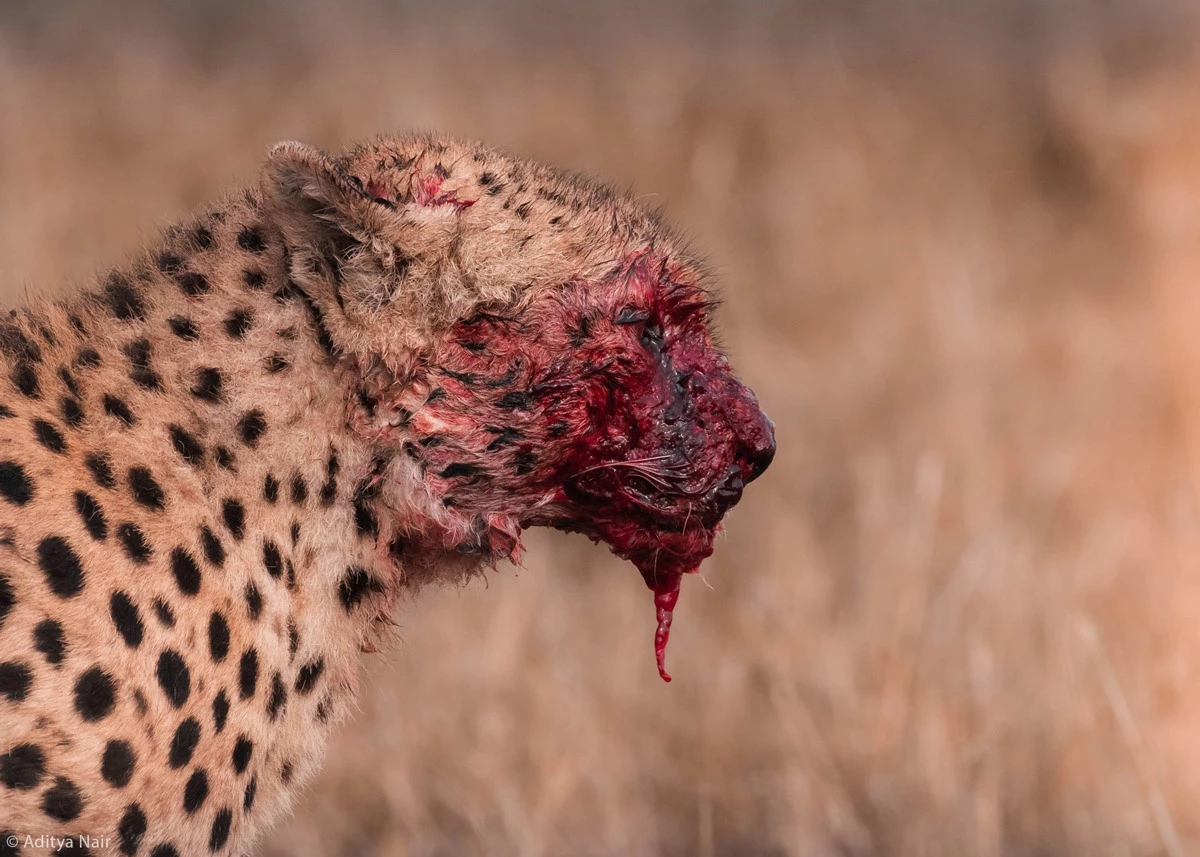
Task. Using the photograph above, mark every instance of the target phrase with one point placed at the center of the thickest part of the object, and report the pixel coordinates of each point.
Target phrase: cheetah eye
(652, 337)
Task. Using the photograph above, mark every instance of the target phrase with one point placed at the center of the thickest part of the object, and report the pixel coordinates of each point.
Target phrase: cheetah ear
(338, 233)
(314, 198)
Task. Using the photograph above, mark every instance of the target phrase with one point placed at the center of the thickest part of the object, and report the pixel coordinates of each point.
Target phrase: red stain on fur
(602, 408)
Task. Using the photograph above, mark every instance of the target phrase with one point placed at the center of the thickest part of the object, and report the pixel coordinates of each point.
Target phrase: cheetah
(222, 464)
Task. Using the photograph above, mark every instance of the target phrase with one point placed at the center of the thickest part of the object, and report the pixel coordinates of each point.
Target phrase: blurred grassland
(958, 243)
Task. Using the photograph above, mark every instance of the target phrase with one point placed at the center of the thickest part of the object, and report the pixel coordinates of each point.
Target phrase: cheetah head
(530, 348)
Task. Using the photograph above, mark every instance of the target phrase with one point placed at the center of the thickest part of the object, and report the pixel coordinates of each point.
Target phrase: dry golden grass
(958, 244)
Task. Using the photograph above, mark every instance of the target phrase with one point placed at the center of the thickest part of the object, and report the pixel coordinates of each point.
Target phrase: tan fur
(461, 228)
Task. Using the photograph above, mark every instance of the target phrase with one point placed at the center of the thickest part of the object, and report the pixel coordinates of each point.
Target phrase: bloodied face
(602, 408)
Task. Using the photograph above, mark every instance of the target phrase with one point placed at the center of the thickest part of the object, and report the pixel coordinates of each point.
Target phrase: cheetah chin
(221, 464)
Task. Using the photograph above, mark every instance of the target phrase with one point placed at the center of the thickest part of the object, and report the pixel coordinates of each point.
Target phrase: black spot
(6, 412)
(208, 385)
(123, 300)
(174, 678)
(505, 436)
(25, 379)
(49, 436)
(219, 834)
(117, 407)
(117, 764)
(323, 710)
(16, 344)
(192, 284)
(169, 263)
(272, 559)
(270, 489)
(487, 179)
(145, 489)
(309, 675)
(251, 426)
(515, 401)
(202, 237)
(238, 323)
(62, 801)
(254, 602)
(67, 378)
(59, 562)
(135, 543)
(364, 520)
(93, 516)
(87, 358)
(248, 674)
(299, 489)
(291, 574)
(524, 463)
(101, 470)
(251, 240)
(95, 694)
(254, 279)
(186, 445)
(285, 772)
(15, 484)
(186, 571)
(184, 328)
(277, 363)
(126, 618)
(146, 378)
(248, 799)
(459, 468)
(22, 767)
(295, 532)
(164, 613)
(15, 680)
(293, 638)
(183, 743)
(242, 751)
(48, 639)
(220, 708)
(214, 551)
(195, 791)
(131, 830)
(355, 586)
(141, 372)
(164, 850)
(234, 515)
(218, 637)
(522, 210)
(225, 459)
(72, 411)
(278, 698)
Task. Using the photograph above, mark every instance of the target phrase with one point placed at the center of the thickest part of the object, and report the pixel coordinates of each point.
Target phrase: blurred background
(958, 243)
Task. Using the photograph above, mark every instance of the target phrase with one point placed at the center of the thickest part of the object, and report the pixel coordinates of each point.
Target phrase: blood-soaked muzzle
(678, 446)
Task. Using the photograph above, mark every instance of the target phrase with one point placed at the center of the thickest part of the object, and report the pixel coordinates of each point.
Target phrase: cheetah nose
(761, 451)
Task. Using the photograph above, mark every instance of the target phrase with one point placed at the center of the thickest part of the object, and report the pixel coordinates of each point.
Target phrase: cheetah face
(602, 408)
(534, 346)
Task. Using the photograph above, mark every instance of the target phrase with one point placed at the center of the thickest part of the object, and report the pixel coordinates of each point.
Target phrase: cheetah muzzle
(221, 465)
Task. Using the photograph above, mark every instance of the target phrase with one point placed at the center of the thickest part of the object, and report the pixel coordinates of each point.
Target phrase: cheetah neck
(224, 373)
